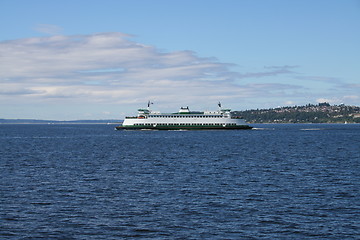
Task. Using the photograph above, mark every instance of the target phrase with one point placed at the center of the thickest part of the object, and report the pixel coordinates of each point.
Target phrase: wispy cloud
(331, 80)
(112, 68)
(48, 29)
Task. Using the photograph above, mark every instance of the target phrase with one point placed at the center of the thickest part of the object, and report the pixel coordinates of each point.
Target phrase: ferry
(184, 119)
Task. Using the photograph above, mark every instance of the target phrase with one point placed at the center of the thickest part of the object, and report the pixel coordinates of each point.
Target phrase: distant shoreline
(119, 122)
(50, 122)
(59, 123)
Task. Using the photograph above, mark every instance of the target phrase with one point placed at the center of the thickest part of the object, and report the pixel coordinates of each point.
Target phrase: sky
(104, 59)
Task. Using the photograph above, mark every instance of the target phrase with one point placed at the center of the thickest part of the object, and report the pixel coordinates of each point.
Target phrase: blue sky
(104, 59)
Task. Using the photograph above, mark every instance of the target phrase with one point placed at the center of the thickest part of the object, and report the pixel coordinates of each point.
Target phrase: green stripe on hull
(237, 127)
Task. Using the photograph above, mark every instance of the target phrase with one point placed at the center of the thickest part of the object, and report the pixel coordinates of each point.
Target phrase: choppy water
(91, 182)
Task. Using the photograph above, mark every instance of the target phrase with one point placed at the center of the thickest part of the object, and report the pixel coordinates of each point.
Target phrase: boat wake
(311, 129)
(263, 128)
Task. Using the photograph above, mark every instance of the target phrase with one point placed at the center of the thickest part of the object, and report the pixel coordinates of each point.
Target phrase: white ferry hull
(241, 127)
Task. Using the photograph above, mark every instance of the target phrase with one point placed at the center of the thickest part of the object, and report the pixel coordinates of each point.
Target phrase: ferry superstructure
(184, 120)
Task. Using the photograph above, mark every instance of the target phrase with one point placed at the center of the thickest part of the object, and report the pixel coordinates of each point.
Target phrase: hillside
(321, 113)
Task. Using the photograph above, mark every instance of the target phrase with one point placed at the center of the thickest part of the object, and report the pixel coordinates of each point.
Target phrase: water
(91, 182)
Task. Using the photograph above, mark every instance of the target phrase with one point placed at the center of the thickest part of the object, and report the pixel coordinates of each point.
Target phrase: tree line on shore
(310, 113)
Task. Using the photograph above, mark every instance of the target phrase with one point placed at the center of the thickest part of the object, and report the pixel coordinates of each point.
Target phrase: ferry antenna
(149, 103)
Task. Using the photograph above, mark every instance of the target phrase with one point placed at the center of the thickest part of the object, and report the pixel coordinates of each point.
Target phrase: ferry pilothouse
(184, 120)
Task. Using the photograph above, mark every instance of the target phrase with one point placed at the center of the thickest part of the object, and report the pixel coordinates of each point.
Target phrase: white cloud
(110, 68)
(328, 100)
(48, 29)
(352, 97)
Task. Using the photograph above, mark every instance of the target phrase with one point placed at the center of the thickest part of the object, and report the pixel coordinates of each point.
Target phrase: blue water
(91, 182)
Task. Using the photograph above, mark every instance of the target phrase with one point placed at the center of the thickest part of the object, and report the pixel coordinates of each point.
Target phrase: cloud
(328, 100)
(352, 97)
(274, 71)
(331, 80)
(48, 29)
(289, 103)
(18, 91)
(350, 86)
(110, 67)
